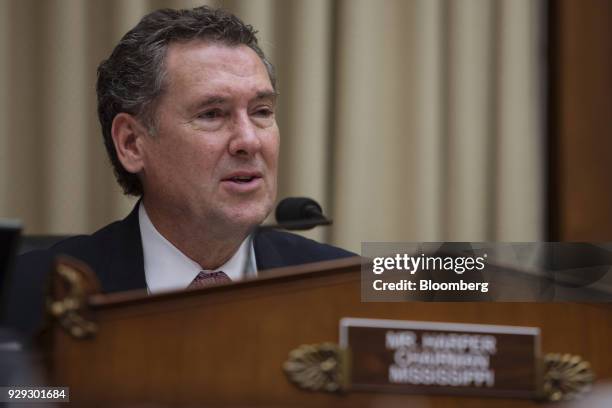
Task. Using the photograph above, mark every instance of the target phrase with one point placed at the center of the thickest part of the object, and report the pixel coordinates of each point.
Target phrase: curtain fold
(409, 120)
(428, 116)
(470, 106)
(305, 105)
(63, 136)
(4, 107)
(520, 112)
(374, 157)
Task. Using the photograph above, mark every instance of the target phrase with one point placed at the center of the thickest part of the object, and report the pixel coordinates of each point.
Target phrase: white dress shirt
(167, 268)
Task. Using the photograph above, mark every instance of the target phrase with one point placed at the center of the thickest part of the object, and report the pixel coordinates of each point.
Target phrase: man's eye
(211, 114)
(264, 112)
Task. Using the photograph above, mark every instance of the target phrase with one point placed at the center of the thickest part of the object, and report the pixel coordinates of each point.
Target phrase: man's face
(213, 159)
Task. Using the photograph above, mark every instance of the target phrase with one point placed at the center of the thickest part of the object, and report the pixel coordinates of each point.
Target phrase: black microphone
(292, 213)
(299, 213)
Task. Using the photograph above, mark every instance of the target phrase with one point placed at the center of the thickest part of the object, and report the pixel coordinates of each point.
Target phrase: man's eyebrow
(210, 100)
(218, 99)
(266, 95)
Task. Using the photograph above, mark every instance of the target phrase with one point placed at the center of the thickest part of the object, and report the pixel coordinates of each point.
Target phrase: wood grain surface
(225, 346)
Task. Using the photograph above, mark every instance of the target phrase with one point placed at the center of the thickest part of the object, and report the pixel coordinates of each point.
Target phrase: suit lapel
(266, 254)
(126, 264)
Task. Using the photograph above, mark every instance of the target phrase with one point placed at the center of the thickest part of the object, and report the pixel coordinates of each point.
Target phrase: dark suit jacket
(115, 255)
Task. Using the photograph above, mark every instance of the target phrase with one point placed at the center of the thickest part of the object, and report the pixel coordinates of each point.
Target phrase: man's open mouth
(242, 179)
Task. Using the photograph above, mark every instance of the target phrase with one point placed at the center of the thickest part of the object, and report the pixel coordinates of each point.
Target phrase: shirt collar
(167, 268)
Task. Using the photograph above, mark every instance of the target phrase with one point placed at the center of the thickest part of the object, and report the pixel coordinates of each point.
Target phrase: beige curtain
(409, 120)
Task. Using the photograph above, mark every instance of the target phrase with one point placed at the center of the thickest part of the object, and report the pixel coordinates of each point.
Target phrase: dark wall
(580, 121)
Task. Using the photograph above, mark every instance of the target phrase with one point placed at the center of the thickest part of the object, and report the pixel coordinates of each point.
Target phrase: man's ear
(128, 136)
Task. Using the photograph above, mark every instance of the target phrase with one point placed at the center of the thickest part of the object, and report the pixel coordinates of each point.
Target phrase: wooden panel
(226, 345)
(581, 120)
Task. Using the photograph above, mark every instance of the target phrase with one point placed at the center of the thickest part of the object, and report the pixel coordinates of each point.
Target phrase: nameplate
(441, 358)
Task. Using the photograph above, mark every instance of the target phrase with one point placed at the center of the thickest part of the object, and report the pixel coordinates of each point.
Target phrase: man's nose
(245, 139)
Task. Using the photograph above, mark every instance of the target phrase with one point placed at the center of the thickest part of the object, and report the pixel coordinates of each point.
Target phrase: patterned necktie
(205, 279)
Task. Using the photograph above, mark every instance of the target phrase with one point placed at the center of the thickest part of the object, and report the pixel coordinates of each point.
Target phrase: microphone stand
(297, 225)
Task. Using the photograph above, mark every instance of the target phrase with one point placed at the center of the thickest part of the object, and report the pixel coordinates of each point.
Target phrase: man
(187, 105)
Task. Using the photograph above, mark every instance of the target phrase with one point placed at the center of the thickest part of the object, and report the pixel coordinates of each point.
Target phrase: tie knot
(204, 279)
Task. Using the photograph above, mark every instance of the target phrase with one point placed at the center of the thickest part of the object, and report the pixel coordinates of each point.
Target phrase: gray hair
(132, 78)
